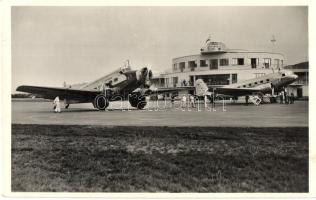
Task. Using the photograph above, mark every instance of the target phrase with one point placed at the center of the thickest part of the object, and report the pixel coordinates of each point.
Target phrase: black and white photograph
(159, 99)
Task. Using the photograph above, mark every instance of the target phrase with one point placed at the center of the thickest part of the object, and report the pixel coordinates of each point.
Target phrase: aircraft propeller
(146, 76)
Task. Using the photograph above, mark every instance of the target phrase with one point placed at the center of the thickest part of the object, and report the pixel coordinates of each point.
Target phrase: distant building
(300, 87)
(217, 65)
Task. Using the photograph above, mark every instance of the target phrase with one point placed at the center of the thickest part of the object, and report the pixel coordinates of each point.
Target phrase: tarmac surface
(231, 115)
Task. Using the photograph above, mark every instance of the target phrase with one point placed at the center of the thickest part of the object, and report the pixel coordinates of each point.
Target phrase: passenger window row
(253, 84)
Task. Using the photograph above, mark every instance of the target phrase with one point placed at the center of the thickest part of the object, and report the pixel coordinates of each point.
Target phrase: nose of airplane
(145, 76)
(148, 78)
(294, 76)
(144, 70)
(144, 73)
(141, 74)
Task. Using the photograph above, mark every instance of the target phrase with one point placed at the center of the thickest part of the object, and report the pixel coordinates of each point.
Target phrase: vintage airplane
(134, 85)
(120, 85)
(269, 83)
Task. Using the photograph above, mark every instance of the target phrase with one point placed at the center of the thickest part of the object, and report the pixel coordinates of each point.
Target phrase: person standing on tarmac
(57, 105)
(247, 100)
(292, 98)
(281, 97)
(192, 101)
(172, 100)
(184, 101)
(286, 96)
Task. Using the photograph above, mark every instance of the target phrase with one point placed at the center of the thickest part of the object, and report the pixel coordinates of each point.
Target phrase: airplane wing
(237, 91)
(63, 93)
(169, 90)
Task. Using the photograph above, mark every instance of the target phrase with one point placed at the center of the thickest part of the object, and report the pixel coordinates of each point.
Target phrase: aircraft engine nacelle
(137, 100)
(101, 102)
(265, 87)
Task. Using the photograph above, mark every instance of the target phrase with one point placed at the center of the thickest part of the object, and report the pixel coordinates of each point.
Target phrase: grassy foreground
(158, 159)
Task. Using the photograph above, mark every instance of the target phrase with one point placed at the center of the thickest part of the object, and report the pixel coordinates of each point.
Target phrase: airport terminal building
(300, 86)
(218, 65)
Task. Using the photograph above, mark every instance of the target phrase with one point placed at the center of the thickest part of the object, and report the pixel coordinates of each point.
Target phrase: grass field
(158, 159)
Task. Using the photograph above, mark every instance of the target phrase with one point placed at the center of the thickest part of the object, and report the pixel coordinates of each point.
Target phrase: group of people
(185, 102)
(186, 83)
(285, 98)
(190, 101)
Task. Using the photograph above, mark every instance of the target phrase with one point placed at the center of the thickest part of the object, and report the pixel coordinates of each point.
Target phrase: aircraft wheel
(137, 100)
(101, 102)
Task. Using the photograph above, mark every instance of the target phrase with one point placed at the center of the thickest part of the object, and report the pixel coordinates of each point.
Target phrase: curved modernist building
(218, 65)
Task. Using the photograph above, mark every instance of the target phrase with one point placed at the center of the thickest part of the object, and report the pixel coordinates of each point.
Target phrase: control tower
(213, 47)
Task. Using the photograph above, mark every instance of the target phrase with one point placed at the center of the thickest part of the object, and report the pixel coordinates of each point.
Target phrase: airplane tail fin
(201, 88)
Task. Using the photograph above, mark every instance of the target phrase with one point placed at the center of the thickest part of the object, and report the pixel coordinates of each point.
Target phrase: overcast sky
(77, 44)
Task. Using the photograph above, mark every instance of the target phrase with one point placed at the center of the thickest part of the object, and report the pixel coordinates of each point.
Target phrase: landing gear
(137, 100)
(101, 102)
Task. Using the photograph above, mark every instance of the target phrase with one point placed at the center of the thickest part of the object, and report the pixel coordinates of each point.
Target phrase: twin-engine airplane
(123, 84)
(134, 85)
(269, 83)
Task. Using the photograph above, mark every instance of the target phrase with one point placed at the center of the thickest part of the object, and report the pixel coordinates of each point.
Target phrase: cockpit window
(283, 74)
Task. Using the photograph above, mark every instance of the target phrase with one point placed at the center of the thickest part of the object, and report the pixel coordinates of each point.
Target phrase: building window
(254, 62)
(224, 62)
(192, 65)
(234, 78)
(175, 81)
(267, 62)
(234, 61)
(214, 64)
(203, 63)
(175, 67)
(238, 61)
(181, 66)
(276, 63)
(167, 82)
